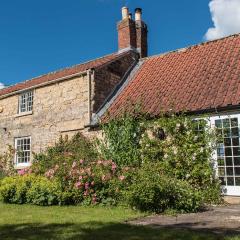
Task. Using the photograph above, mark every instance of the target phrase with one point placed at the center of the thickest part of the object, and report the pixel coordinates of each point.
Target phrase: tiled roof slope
(206, 76)
(61, 73)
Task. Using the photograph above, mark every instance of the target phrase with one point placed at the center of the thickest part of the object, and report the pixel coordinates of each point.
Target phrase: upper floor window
(26, 102)
(23, 150)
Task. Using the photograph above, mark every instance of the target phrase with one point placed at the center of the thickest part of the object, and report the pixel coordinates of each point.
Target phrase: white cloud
(226, 18)
(2, 85)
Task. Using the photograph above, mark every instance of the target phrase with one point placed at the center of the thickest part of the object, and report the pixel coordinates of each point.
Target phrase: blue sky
(37, 37)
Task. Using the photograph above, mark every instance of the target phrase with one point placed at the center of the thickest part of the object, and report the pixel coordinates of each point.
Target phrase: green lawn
(85, 223)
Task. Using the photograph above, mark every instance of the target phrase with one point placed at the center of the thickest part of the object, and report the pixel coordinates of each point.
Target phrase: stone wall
(61, 108)
(57, 109)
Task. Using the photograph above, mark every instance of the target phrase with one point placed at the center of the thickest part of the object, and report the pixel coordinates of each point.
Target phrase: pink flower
(22, 172)
(106, 163)
(86, 193)
(99, 162)
(114, 166)
(86, 185)
(78, 185)
(81, 161)
(80, 178)
(121, 178)
(94, 200)
(50, 173)
(74, 165)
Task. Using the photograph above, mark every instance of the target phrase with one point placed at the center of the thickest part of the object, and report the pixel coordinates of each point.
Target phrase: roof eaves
(62, 78)
(43, 84)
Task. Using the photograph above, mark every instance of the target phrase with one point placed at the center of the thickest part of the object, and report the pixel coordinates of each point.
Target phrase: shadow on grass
(99, 231)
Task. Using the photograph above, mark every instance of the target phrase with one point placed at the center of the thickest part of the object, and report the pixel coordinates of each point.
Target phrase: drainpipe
(91, 76)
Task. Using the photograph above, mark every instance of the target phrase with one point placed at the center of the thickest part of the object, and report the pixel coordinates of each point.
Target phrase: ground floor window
(228, 152)
(23, 150)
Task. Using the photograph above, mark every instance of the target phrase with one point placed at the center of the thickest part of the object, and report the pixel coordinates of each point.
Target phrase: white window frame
(27, 164)
(227, 190)
(28, 104)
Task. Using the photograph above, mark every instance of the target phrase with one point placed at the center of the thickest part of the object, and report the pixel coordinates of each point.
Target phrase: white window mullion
(227, 155)
(26, 102)
(23, 151)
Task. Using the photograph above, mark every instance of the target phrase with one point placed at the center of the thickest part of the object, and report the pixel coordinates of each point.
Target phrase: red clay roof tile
(197, 78)
(61, 73)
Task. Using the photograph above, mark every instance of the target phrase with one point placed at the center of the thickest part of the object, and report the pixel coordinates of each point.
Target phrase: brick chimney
(141, 33)
(132, 34)
(126, 31)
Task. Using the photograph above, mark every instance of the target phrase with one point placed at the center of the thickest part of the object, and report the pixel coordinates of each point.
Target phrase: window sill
(22, 166)
(24, 114)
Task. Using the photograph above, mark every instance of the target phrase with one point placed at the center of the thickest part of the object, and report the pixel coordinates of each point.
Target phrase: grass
(25, 222)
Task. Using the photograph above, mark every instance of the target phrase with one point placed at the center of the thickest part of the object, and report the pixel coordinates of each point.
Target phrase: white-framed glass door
(227, 154)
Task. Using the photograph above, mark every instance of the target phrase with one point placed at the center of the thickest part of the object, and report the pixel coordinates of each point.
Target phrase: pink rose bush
(73, 182)
(92, 182)
(24, 171)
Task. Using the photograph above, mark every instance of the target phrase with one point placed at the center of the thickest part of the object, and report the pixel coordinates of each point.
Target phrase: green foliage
(83, 183)
(185, 151)
(43, 192)
(6, 163)
(29, 189)
(159, 165)
(14, 189)
(153, 190)
(65, 151)
(180, 147)
(89, 182)
(121, 141)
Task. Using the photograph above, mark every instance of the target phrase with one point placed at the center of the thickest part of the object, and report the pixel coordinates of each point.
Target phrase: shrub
(153, 190)
(155, 166)
(70, 197)
(121, 141)
(65, 151)
(43, 192)
(185, 150)
(14, 189)
(6, 163)
(31, 189)
(88, 182)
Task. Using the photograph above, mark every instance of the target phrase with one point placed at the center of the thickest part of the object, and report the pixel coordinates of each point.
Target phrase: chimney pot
(138, 14)
(133, 33)
(125, 13)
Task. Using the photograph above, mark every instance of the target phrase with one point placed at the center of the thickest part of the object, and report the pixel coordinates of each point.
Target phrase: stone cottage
(200, 79)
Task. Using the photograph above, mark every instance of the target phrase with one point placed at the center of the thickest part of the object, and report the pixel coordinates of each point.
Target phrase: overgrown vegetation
(65, 152)
(6, 163)
(155, 166)
(121, 141)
